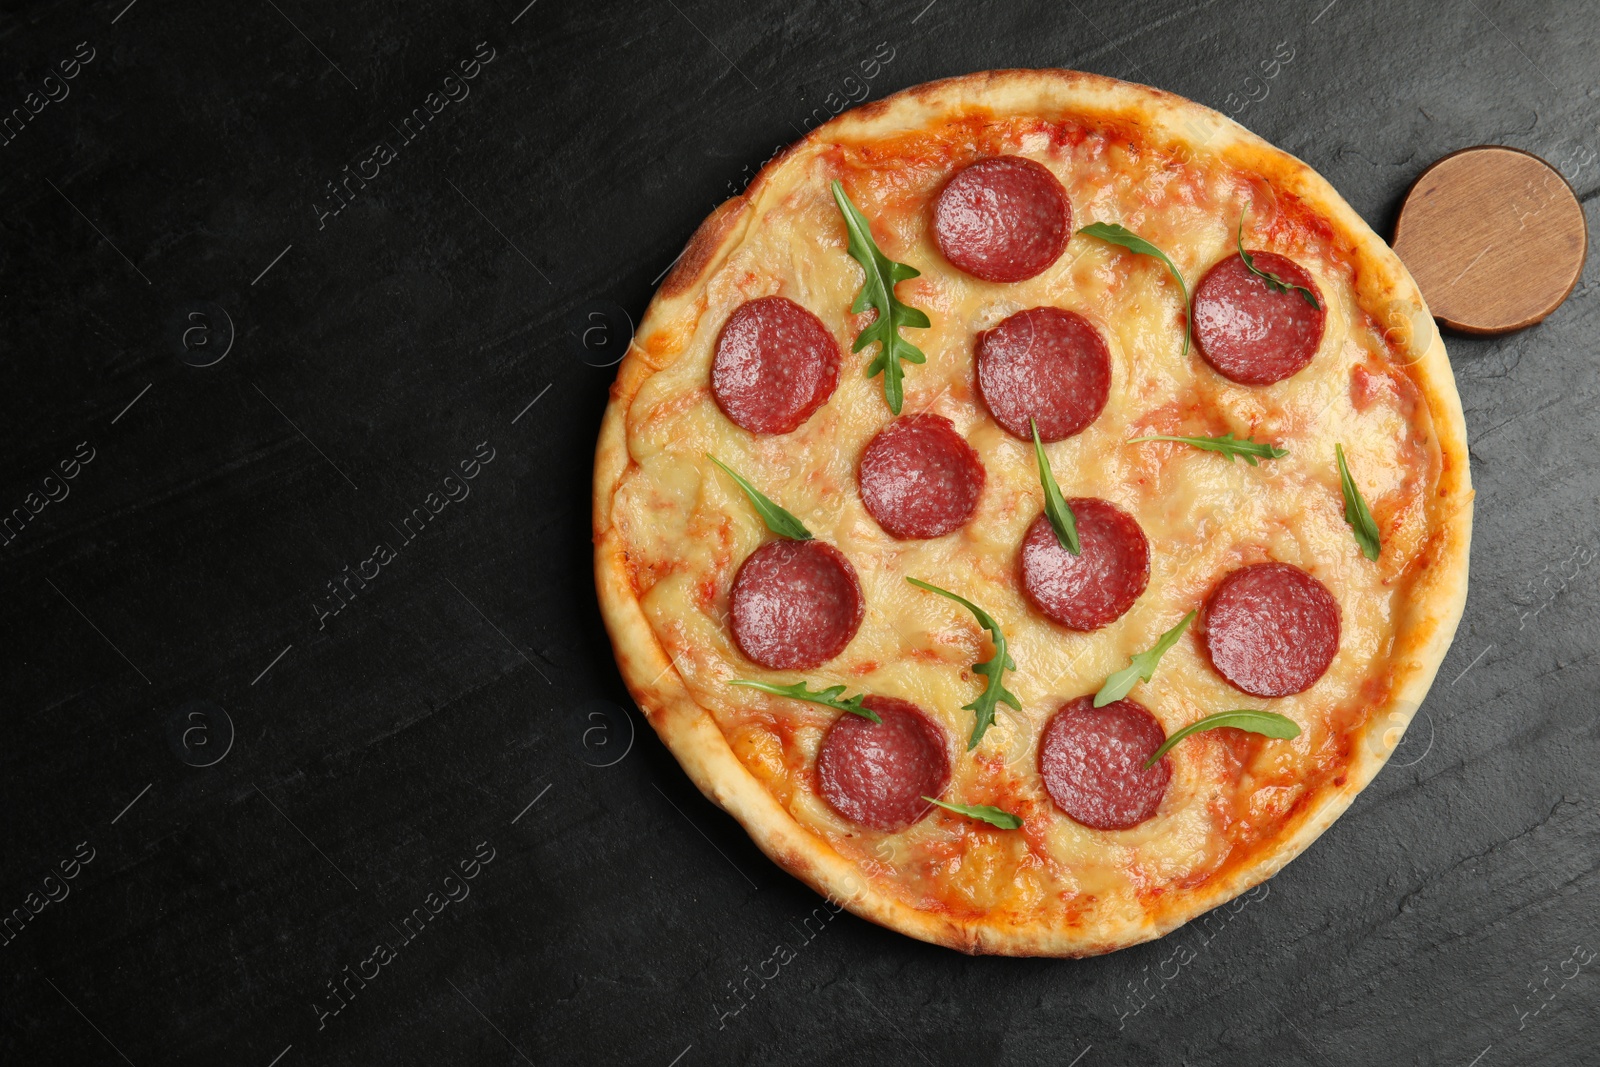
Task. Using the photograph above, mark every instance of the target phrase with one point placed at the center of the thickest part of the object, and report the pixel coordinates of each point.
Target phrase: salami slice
(1092, 763)
(1004, 219)
(1094, 588)
(1249, 332)
(795, 604)
(876, 774)
(776, 363)
(919, 478)
(1271, 629)
(1048, 364)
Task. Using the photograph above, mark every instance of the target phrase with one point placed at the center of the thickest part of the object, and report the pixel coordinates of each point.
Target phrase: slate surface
(173, 199)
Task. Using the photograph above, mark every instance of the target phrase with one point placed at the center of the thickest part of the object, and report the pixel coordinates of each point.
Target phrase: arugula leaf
(994, 691)
(1248, 448)
(986, 812)
(881, 274)
(1356, 512)
(1140, 665)
(778, 521)
(1112, 233)
(1275, 283)
(830, 697)
(1055, 505)
(1268, 723)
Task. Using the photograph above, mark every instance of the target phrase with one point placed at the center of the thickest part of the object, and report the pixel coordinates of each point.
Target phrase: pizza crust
(1383, 288)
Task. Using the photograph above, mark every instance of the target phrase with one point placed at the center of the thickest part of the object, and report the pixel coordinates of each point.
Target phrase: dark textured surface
(472, 677)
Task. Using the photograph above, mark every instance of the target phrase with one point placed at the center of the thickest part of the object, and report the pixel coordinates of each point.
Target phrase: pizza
(1034, 509)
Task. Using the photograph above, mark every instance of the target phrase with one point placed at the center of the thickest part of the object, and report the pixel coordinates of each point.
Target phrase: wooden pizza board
(1495, 238)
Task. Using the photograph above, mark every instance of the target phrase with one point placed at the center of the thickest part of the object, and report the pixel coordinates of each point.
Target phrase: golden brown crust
(1384, 288)
(709, 237)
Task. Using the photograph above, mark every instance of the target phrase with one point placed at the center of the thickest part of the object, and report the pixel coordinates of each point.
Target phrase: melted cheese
(688, 529)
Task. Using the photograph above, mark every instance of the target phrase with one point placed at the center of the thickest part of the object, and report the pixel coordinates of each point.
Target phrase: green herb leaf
(1055, 505)
(778, 521)
(993, 669)
(986, 812)
(831, 697)
(1112, 233)
(1355, 510)
(1227, 444)
(1268, 723)
(877, 291)
(1275, 283)
(1141, 665)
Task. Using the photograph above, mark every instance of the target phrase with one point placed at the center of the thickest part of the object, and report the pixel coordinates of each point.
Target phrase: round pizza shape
(1052, 416)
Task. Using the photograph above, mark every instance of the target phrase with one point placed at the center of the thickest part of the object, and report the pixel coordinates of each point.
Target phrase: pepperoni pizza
(1005, 339)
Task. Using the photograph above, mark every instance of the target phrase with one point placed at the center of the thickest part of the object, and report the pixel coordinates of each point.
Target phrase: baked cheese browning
(1204, 519)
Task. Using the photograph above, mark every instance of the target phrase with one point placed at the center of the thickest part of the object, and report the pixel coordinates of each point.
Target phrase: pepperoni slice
(877, 774)
(919, 478)
(1092, 763)
(1004, 219)
(795, 604)
(1249, 332)
(1271, 629)
(1089, 590)
(1048, 364)
(775, 365)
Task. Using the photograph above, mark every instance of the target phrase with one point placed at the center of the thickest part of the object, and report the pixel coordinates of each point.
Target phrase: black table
(244, 346)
